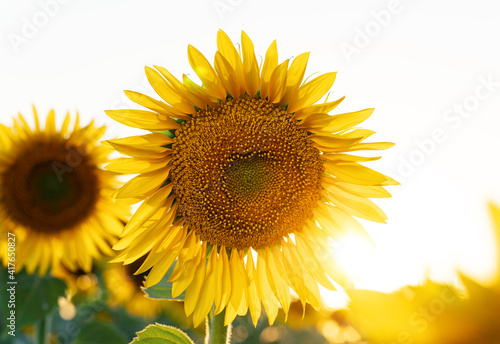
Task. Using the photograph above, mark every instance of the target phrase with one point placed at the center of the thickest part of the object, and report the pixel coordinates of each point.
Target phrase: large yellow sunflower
(54, 197)
(247, 172)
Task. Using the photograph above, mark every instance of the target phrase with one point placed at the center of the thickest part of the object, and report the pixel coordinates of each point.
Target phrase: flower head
(54, 198)
(247, 172)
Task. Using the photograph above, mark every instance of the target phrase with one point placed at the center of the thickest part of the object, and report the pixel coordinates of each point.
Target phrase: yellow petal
(142, 119)
(180, 89)
(206, 73)
(148, 208)
(336, 157)
(167, 92)
(194, 288)
(250, 66)
(370, 146)
(190, 249)
(332, 142)
(311, 264)
(37, 122)
(254, 304)
(148, 153)
(313, 294)
(348, 120)
(97, 238)
(277, 283)
(358, 133)
(230, 315)
(270, 64)
(50, 124)
(26, 127)
(355, 173)
(227, 49)
(337, 223)
(295, 75)
(188, 273)
(223, 290)
(207, 294)
(155, 105)
(311, 286)
(34, 258)
(176, 237)
(365, 190)
(309, 113)
(278, 83)
(161, 268)
(65, 125)
(316, 122)
(294, 272)
(139, 238)
(264, 290)
(238, 283)
(311, 92)
(133, 166)
(227, 75)
(355, 205)
(199, 92)
(323, 253)
(44, 261)
(147, 141)
(143, 183)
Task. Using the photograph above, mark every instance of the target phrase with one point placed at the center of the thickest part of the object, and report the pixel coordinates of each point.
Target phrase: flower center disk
(244, 174)
(50, 188)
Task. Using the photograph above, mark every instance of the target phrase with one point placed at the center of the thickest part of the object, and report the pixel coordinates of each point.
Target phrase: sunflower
(245, 181)
(80, 283)
(432, 313)
(54, 197)
(125, 289)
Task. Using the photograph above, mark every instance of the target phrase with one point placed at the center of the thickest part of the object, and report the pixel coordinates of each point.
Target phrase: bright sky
(431, 69)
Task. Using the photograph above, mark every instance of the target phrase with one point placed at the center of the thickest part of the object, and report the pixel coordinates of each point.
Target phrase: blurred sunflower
(79, 282)
(125, 289)
(432, 313)
(332, 324)
(247, 171)
(54, 197)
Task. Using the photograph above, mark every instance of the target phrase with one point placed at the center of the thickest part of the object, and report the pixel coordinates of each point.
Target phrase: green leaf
(99, 332)
(163, 289)
(161, 334)
(36, 296)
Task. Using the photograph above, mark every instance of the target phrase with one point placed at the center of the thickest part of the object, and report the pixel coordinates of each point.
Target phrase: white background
(413, 60)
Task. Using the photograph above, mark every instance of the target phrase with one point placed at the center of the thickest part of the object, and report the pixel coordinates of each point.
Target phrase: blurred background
(431, 70)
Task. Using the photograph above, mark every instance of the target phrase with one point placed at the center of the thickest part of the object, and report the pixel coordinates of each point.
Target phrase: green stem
(41, 331)
(217, 333)
(44, 327)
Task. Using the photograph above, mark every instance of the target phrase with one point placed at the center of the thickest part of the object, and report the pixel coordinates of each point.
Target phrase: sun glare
(354, 255)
